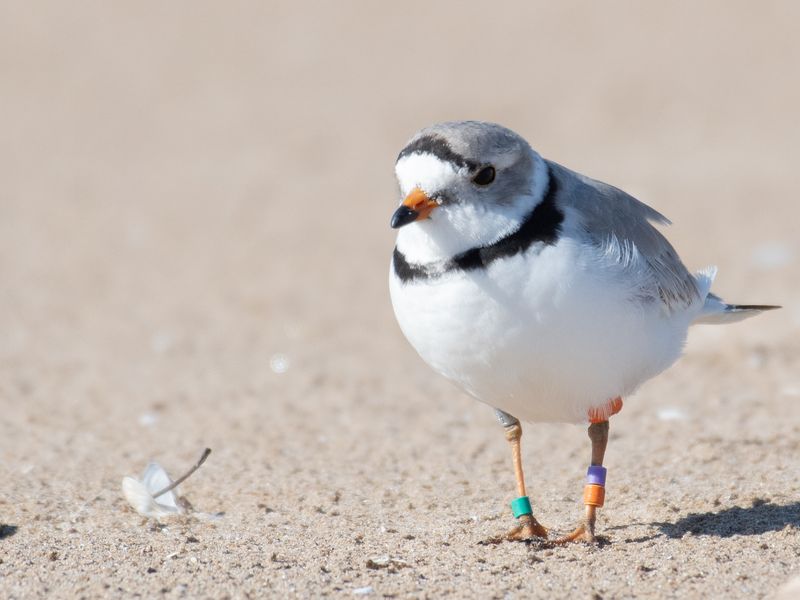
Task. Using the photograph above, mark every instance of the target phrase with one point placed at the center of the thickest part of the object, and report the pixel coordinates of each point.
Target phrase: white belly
(544, 336)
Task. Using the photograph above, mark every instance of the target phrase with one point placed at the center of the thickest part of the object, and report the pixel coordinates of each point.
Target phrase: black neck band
(543, 224)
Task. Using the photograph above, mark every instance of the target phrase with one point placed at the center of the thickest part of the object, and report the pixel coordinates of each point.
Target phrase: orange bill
(415, 207)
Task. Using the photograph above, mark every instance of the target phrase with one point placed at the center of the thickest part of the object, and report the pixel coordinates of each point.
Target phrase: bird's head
(464, 183)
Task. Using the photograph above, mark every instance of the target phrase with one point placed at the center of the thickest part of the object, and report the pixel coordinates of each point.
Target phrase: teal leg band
(521, 506)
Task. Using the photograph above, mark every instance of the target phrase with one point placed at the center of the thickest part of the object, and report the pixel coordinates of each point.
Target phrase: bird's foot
(582, 533)
(527, 529)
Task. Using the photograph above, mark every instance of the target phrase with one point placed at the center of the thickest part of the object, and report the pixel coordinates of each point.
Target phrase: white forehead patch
(425, 171)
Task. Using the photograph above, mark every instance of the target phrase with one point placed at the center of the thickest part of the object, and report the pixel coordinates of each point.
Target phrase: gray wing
(609, 214)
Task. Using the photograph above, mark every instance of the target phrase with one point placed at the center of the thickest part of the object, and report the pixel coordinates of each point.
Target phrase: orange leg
(594, 493)
(528, 526)
(605, 412)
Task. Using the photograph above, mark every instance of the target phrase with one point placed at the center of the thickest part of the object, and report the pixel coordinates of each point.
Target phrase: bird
(546, 294)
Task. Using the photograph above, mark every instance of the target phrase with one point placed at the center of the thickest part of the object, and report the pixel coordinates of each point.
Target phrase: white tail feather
(715, 310)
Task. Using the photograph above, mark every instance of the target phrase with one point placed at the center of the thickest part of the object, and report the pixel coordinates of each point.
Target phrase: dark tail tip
(737, 307)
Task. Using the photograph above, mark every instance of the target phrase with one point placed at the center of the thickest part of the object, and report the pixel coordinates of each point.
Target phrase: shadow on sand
(757, 519)
(7, 530)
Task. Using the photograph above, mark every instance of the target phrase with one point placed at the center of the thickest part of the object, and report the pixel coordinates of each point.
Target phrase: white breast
(543, 335)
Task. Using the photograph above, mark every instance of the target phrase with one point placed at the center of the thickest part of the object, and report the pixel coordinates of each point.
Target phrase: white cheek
(456, 227)
(424, 171)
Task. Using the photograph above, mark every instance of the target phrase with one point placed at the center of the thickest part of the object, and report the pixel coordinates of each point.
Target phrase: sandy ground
(194, 241)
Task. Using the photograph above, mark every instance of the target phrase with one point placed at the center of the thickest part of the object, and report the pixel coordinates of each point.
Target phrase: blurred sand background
(194, 243)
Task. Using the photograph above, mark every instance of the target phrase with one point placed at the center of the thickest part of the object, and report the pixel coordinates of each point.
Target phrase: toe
(582, 533)
(526, 531)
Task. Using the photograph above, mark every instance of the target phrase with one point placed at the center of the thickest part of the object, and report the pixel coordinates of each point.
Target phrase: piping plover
(546, 294)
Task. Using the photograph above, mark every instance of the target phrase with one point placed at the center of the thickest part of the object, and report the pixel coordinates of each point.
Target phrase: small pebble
(363, 591)
(279, 363)
(772, 255)
(670, 413)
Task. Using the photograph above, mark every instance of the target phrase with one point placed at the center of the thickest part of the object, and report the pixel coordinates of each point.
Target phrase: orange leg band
(594, 495)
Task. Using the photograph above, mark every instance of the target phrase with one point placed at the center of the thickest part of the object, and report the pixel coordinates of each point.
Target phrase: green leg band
(521, 506)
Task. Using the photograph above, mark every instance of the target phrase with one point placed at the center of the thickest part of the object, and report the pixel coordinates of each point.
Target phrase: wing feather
(610, 216)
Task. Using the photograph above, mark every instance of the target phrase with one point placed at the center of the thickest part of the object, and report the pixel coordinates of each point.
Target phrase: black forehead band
(438, 146)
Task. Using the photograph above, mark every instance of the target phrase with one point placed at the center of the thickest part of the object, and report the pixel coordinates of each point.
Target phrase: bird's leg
(528, 525)
(594, 492)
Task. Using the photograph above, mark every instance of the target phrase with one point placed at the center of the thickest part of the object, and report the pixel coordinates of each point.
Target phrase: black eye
(485, 176)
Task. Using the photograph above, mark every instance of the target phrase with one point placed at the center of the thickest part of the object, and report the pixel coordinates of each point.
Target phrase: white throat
(455, 228)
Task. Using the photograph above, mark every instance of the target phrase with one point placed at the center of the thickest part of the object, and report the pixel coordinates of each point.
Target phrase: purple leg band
(597, 475)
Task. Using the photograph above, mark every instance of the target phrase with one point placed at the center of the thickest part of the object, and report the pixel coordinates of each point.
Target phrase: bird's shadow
(7, 530)
(754, 520)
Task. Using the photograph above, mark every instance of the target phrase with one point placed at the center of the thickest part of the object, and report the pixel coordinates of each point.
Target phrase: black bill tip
(403, 216)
